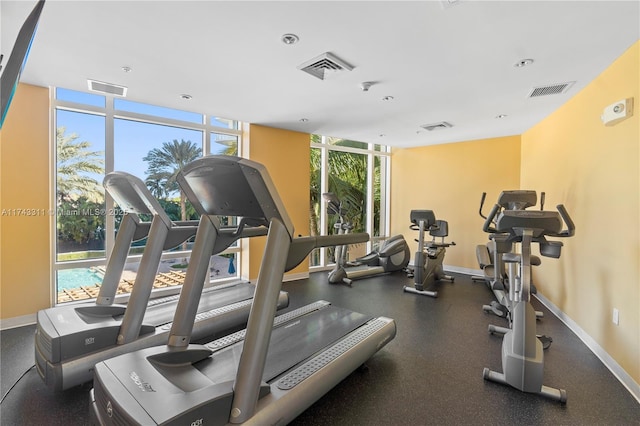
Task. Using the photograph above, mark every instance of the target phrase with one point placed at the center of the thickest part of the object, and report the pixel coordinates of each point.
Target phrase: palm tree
(164, 165)
(74, 160)
(315, 200)
(348, 180)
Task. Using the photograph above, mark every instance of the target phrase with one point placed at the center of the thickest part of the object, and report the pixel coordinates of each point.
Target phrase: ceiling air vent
(437, 126)
(324, 66)
(108, 88)
(553, 89)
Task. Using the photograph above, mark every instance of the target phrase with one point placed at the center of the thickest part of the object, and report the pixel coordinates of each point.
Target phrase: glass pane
(80, 97)
(230, 221)
(84, 283)
(222, 144)
(80, 207)
(315, 201)
(347, 142)
(78, 284)
(155, 153)
(172, 271)
(224, 123)
(175, 114)
(348, 181)
(379, 164)
(223, 266)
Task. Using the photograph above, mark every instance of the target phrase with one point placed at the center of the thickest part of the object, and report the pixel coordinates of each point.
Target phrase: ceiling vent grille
(108, 88)
(324, 66)
(437, 126)
(553, 89)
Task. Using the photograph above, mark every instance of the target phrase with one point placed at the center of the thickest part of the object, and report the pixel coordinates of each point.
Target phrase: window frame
(111, 114)
(373, 150)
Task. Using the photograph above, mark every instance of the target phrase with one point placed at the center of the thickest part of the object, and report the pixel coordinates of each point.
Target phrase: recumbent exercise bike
(427, 270)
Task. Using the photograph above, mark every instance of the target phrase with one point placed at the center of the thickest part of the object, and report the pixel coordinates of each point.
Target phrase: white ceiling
(451, 62)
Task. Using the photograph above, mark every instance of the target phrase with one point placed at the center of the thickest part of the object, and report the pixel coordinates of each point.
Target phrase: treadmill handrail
(132, 195)
(302, 246)
(571, 227)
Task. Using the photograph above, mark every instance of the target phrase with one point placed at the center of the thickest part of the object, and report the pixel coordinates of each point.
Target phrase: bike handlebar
(571, 227)
(489, 220)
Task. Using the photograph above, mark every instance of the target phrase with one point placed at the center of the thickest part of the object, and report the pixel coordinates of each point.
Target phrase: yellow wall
(594, 171)
(25, 257)
(450, 179)
(285, 154)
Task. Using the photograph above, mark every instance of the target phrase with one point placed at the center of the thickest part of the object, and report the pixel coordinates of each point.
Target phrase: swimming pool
(75, 278)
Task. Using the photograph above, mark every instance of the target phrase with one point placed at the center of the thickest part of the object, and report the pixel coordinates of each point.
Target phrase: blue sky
(133, 140)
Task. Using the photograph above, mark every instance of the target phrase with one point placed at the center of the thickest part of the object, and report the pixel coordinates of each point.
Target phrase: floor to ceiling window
(356, 173)
(97, 134)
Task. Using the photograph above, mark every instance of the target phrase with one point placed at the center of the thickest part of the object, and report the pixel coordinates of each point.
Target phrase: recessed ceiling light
(186, 97)
(382, 135)
(126, 69)
(387, 98)
(290, 39)
(501, 115)
(303, 120)
(523, 63)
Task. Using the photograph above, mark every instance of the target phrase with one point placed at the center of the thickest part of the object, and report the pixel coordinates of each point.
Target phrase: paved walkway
(167, 277)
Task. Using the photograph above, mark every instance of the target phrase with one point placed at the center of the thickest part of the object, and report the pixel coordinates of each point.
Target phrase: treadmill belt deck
(290, 343)
(212, 298)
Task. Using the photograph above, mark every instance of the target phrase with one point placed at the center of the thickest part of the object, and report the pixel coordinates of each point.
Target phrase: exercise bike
(490, 256)
(393, 255)
(428, 259)
(522, 351)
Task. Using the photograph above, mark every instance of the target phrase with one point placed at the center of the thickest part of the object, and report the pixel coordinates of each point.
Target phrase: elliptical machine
(428, 259)
(491, 255)
(522, 351)
(393, 255)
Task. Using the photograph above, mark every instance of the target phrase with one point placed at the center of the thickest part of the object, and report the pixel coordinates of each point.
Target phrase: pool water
(75, 278)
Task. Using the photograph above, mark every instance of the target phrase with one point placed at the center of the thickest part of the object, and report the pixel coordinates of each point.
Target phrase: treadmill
(270, 372)
(70, 339)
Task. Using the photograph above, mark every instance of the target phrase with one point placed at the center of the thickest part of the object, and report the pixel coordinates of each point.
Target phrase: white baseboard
(615, 368)
(8, 323)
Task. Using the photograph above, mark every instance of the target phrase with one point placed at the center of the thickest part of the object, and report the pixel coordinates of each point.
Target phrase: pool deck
(163, 279)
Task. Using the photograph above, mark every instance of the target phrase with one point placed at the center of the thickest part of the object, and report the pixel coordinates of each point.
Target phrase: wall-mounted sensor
(617, 112)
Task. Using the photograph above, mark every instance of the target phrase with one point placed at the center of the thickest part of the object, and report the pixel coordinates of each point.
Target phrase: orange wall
(25, 259)
(594, 170)
(450, 179)
(285, 154)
